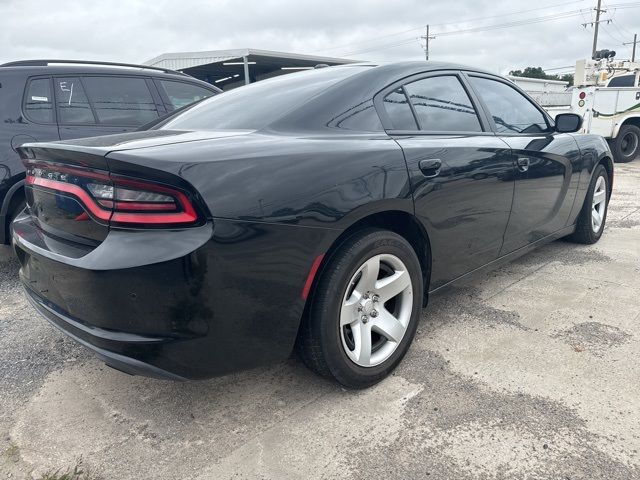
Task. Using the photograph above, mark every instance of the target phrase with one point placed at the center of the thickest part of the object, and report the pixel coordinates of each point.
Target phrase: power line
(486, 28)
(530, 21)
(467, 20)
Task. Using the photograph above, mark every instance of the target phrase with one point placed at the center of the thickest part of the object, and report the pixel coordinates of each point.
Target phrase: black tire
(320, 342)
(585, 232)
(14, 210)
(626, 146)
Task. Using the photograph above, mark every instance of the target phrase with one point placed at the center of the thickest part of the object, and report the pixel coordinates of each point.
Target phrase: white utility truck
(606, 95)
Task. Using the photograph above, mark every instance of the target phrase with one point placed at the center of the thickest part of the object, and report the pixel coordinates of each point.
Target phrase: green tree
(538, 72)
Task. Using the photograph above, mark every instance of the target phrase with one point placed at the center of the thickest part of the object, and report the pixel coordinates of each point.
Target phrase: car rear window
(254, 106)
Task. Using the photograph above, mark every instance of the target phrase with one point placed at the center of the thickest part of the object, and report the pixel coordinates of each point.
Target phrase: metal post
(247, 80)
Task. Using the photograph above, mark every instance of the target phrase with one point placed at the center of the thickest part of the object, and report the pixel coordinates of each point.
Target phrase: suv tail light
(117, 200)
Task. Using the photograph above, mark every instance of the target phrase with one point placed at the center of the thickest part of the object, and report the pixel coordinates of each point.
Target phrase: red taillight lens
(118, 200)
(582, 95)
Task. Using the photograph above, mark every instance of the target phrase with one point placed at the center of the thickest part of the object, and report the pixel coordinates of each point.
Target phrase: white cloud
(136, 30)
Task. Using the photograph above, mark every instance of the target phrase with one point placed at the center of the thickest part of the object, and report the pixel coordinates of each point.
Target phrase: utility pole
(596, 26)
(426, 39)
(634, 43)
(595, 30)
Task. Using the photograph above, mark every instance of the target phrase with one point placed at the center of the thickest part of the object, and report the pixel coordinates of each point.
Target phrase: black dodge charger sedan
(316, 210)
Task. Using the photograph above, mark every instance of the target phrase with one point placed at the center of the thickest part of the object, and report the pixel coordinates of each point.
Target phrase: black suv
(46, 100)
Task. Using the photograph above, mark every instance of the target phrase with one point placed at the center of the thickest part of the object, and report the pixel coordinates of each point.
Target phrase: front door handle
(431, 167)
(523, 163)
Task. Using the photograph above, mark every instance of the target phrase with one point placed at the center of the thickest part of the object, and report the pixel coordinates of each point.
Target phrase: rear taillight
(117, 200)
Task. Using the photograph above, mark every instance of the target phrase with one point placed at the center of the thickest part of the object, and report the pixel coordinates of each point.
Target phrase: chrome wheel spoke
(391, 286)
(596, 217)
(362, 341)
(349, 311)
(598, 197)
(370, 272)
(389, 326)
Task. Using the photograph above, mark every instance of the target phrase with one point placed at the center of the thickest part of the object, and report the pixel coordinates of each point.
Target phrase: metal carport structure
(228, 69)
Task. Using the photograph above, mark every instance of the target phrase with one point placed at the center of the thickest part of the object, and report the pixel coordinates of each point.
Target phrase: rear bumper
(231, 303)
(115, 360)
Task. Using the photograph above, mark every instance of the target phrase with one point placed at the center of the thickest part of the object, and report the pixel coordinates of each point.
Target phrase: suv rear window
(38, 105)
(181, 93)
(257, 105)
(72, 103)
(121, 100)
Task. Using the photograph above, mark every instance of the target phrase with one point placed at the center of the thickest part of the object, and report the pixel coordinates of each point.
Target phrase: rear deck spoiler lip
(137, 143)
(81, 156)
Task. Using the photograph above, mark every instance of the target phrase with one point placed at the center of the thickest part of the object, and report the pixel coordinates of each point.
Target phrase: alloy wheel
(376, 310)
(599, 204)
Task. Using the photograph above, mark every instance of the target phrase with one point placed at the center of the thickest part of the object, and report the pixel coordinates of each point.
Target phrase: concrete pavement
(528, 372)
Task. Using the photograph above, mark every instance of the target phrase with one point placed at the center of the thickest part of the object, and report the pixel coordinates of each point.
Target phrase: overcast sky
(137, 30)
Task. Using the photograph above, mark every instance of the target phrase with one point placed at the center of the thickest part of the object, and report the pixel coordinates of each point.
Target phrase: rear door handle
(430, 167)
(523, 163)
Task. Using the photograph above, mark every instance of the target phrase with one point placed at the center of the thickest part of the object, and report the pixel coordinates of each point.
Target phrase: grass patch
(78, 472)
(12, 453)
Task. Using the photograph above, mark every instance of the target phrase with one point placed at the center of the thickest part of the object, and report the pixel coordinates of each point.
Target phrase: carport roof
(224, 68)
(182, 60)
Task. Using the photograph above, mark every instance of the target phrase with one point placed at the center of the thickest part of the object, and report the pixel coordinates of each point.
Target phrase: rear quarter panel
(277, 203)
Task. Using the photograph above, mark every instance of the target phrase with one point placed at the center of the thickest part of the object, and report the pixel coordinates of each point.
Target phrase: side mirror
(568, 122)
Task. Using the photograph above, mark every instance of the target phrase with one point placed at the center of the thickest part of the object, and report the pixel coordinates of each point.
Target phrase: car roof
(40, 67)
(413, 67)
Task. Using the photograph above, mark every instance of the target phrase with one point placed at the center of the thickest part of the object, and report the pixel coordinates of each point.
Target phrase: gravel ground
(528, 372)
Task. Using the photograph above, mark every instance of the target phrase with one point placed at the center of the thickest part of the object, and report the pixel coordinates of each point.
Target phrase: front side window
(399, 111)
(72, 103)
(442, 105)
(511, 111)
(38, 104)
(181, 93)
(121, 100)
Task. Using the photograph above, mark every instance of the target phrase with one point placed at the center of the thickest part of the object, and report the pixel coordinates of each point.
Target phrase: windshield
(254, 106)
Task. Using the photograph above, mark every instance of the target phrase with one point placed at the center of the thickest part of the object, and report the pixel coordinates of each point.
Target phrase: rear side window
(181, 93)
(121, 100)
(442, 105)
(512, 112)
(398, 110)
(72, 103)
(38, 103)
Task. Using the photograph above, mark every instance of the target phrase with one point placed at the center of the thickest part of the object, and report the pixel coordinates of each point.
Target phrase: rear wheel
(594, 211)
(18, 204)
(364, 311)
(626, 145)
